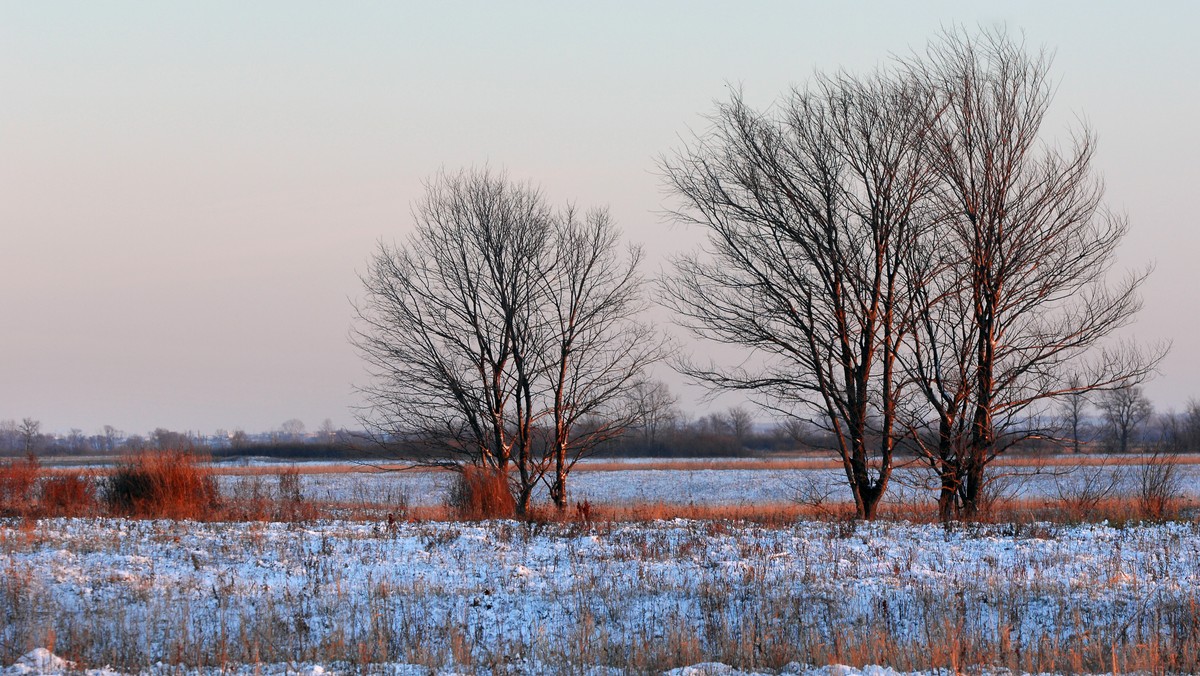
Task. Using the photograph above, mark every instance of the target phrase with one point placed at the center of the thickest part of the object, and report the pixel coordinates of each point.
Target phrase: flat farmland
(723, 482)
(676, 596)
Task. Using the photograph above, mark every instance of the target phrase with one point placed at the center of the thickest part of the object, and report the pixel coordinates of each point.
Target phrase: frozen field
(512, 597)
(712, 486)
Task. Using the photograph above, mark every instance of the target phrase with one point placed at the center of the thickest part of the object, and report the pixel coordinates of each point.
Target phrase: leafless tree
(1178, 432)
(30, 431)
(596, 348)
(741, 423)
(442, 320)
(112, 436)
(1074, 413)
(1024, 248)
(810, 210)
(655, 408)
(292, 429)
(327, 432)
(1124, 409)
(498, 327)
(168, 440)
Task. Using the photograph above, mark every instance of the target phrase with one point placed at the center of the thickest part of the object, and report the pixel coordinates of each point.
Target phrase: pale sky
(188, 190)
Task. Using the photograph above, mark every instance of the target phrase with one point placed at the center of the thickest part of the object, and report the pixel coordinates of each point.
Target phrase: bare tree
(809, 212)
(327, 432)
(498, 320)
(595, 349)
(655, 408)
(31, 437)
(1024, 247)
(741, 423)
(1124, 409)
(292, 429)
(112, 436)
(1074, 413)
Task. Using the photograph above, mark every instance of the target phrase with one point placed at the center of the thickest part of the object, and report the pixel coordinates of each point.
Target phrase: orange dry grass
(68, 495)
(17, 479)
(481, 493)
(170, 484)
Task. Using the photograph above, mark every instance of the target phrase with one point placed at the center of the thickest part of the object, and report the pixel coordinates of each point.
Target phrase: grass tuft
(167, 484)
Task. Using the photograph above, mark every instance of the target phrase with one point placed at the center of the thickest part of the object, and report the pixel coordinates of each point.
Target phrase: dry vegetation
(755, 586)
(515, 597)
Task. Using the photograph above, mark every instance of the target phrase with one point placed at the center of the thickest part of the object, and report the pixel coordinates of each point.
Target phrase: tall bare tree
(441, 326)
(1026, 245)
(810, 211)
(498, 328)
(596, 348)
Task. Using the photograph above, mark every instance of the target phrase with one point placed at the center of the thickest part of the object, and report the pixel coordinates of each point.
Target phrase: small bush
(1160, 486)
(17, 480)
(289, 486)
(481, 493)
(170, 484)
(68, 495)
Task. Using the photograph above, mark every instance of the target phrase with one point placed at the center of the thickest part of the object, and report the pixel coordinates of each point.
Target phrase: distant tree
(292, 429)
(76, 441)
(31, 438)
(112, 436)
(10, 436)
(741, 424)
(1124, 409)
(1074, 413)
(166, 440)
(655, 409)
(327, 432)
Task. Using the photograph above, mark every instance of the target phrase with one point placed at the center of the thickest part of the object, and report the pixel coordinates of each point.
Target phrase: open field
(682, 484)
(693, 568)
(517, 597)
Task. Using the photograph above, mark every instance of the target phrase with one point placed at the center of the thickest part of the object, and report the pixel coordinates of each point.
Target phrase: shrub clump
(481, 493)
(17, 480)
(68, 495)
(166, 484)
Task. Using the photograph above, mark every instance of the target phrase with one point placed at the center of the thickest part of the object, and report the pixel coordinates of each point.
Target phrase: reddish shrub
(170, 484)
(17, 480)
(481, 493)
(68, 495)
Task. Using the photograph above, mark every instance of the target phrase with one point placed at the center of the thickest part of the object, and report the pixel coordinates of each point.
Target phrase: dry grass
(68, 495)
(17, 481)
(169, 484)
(481, 493)
(783, 602)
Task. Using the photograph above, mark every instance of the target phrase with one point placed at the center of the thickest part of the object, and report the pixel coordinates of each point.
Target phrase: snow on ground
(709, 486)
(521, 597)
(42, 662)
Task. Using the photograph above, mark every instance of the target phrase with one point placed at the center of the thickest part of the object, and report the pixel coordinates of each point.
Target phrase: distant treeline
(666, 434)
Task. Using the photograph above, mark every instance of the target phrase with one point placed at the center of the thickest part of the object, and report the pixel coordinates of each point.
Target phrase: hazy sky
(187, 190)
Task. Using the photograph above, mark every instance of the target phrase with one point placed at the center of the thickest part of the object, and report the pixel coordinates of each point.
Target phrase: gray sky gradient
(188, 189)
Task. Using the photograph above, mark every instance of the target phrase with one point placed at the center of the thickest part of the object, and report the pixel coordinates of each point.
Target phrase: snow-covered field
(713, 486)
(513, 597)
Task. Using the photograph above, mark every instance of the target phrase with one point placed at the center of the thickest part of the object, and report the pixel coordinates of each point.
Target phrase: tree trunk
(558, 489)
(972, 490)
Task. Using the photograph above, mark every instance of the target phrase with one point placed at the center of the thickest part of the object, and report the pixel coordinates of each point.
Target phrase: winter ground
(514, 597)
(717, 486)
